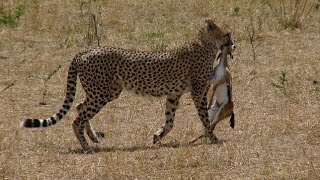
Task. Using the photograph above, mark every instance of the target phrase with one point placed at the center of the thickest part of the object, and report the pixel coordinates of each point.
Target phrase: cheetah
(105, 71)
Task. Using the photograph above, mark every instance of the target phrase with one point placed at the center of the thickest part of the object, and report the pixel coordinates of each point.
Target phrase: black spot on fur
(103, 103)
(59, 116)
(172, 101)
(62, 112)
(45, 123)
(161, 134)
(28, 123)
(66, 107)
(100, 134)
(203, 103)
(53, 120)
(36, 123)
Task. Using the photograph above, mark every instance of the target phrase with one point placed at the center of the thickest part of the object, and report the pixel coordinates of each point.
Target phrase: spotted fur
(105, 71)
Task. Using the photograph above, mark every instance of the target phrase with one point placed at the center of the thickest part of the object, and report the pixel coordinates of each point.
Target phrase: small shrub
(282, 83)
(91, 16)
(289, 23)
(251, 31)
(317, 5)
(290, 14)
(11, 84)
(45, 90)
(160, 47)
(69, 42)
(236, 11)
(315, 90)
(11, 18)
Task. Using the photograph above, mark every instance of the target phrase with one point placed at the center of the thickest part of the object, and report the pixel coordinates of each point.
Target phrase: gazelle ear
(210, 25)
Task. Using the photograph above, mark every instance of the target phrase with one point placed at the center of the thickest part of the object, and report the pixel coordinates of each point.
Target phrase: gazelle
(220, 104)
(222, 89)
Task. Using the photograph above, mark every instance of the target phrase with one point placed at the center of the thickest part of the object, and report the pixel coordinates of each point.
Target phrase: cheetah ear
(227, 35)
(211, 25)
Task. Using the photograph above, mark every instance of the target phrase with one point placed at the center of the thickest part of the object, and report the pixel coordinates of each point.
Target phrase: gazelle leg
(224, 111)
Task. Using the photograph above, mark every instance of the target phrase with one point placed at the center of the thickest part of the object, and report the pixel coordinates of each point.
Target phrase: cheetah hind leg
(94, 136)
(117, 87)
(78, 128)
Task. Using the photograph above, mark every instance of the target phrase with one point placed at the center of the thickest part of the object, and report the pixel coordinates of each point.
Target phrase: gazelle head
(228, 47)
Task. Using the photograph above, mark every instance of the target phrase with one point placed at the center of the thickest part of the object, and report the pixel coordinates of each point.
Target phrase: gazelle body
(220, 103)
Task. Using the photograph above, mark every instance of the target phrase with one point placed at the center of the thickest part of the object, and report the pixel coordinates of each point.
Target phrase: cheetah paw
(100, 135)
(156, 139)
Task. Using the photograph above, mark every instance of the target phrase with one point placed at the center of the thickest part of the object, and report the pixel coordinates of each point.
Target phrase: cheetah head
(215, 36)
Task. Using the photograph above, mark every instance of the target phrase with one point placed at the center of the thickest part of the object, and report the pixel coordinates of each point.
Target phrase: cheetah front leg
(171, 107)
(200, 102)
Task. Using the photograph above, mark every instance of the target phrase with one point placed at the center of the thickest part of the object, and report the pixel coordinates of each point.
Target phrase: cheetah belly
(221, 93)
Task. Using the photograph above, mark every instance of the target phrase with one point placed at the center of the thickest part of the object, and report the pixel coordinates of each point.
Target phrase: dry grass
(277, 134)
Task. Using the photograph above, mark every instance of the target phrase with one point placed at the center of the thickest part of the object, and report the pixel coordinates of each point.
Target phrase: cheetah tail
(70, 94)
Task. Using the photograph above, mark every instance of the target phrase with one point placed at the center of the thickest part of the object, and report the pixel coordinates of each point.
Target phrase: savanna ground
(276, 85)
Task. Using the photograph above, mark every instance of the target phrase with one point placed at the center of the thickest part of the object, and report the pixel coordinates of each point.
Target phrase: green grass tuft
(11, 18)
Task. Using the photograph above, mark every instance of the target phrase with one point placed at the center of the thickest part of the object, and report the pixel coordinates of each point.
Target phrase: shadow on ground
(142, 147)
